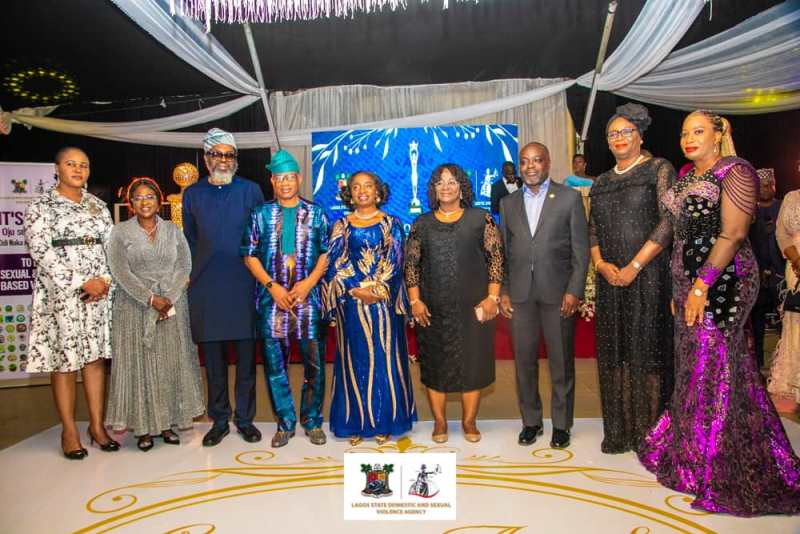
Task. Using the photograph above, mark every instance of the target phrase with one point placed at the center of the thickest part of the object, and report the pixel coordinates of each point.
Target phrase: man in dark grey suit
(546, 242)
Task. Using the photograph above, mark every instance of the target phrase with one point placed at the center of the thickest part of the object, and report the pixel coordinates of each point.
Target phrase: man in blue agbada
(285, 249)
(216, 210)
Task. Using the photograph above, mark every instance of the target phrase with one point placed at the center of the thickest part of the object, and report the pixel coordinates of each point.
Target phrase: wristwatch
(636, 265)
(495, 298)
(268, 285)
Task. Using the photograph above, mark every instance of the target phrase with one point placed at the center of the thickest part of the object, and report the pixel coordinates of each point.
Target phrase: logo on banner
(424, 485)
(377, 483)
(20, 186)
(399, 486)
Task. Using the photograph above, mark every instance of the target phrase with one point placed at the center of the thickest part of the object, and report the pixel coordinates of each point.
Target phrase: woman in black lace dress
(629, 229)
(453, 270)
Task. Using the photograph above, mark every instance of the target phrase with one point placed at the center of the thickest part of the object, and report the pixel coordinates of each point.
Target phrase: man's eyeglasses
(627, 133)
(281, 178)
(140, 198)
(215, 154)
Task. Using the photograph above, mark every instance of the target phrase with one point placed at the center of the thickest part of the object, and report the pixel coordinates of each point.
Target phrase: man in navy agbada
(216, 211)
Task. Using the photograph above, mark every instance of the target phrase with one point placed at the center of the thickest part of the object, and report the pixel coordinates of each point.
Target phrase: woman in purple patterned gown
(720, 438)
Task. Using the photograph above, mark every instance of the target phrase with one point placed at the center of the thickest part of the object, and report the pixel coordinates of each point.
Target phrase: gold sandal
(380, 439)
(355, 440)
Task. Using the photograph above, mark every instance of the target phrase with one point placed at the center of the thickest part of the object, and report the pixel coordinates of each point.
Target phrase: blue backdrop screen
(405, 158)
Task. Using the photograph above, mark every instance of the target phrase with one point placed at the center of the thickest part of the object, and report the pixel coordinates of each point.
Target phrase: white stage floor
(240, 487)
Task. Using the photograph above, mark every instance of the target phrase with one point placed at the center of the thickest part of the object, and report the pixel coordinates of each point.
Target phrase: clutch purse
(792, 301)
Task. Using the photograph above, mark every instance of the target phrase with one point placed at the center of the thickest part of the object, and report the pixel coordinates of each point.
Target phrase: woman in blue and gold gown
(364, 293)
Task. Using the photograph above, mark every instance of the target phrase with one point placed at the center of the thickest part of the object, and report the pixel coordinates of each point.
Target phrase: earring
(460, 196)
(716, 149)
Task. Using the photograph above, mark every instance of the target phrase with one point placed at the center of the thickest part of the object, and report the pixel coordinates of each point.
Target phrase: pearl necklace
(634, 164)
(447, 214)
(366, 217)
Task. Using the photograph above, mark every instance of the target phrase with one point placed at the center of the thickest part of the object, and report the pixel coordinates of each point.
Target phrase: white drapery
(187, 40)
(753, 67)
(543, 119)
(628, 71)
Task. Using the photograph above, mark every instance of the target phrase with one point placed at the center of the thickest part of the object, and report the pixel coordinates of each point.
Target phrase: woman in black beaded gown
(628, 232)
(453, 270)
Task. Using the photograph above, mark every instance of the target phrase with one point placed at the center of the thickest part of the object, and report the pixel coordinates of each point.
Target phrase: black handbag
(792, 301)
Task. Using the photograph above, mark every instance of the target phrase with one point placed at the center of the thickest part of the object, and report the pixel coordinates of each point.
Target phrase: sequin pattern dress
(720, 438)
(785, 370)
(155, 380)
(372, 392)
(633, 324)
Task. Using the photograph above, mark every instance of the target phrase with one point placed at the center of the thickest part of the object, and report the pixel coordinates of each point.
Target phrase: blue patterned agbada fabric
(372, 393)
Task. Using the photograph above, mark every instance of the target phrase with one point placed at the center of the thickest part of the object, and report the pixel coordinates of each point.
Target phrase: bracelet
(412, 302)
(107, 279)
(708, 274)
(636, 265)
(599, 263)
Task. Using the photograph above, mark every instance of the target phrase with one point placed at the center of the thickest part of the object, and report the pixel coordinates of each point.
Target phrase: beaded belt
(87, 240)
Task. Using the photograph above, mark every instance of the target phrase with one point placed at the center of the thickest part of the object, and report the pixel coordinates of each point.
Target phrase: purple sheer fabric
(720, 438)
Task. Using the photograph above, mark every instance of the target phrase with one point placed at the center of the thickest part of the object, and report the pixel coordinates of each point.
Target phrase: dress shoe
(560, 439)
(249, 433)
(170, 437)
(281, 438)
(529, 434)
(108, 446)
(77, 454)
(316, 436)
(441, 435)
(144, 443)
(473, 435)
(215, 435)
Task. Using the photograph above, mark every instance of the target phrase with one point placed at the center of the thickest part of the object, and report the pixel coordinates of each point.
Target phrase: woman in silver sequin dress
(155, 379)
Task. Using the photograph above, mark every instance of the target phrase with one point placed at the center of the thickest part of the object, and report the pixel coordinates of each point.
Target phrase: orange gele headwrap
(136, 181)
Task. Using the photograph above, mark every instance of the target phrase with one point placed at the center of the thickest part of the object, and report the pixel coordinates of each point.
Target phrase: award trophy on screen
(415, 208)
(486, 185)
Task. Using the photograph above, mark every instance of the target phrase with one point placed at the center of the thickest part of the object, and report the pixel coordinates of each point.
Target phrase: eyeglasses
(447, 184)
(140, 198)
(627, 133)
(281, 178)
(215, 154)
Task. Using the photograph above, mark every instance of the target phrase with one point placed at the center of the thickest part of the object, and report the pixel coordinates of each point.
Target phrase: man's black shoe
(560, 439)
(529, 434)
(249, 433)
(215, 435)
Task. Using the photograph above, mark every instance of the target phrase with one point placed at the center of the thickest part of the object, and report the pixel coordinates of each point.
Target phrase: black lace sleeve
(412, 265)
(593, 241)
(493, 250)
(665, 178)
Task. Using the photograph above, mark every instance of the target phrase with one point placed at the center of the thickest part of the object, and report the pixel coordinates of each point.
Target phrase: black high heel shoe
(109, 446)
(76, 454)
(145, 443)
(170, 437)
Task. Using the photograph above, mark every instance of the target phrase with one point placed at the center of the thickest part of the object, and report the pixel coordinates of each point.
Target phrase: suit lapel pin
(552, 195)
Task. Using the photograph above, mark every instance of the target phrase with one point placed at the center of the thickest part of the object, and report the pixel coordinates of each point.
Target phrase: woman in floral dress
(66, 230)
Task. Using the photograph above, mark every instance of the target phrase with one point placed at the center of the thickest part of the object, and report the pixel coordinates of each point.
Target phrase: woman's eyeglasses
(140, 198)
(627, 133)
